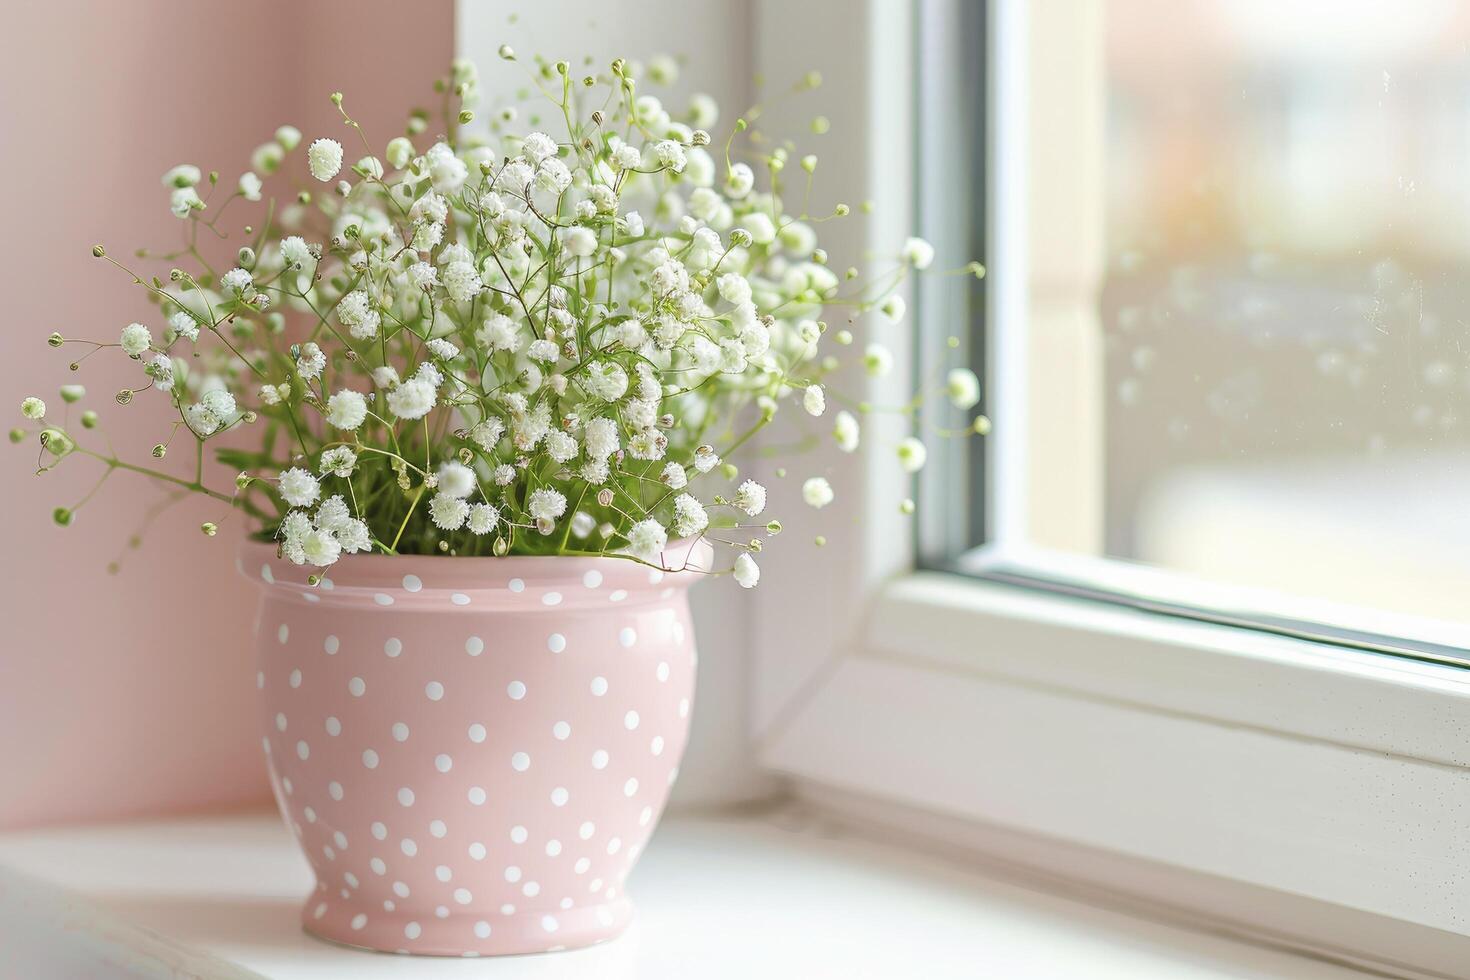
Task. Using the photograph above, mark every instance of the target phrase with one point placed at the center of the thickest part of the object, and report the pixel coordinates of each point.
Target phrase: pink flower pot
(472, 752)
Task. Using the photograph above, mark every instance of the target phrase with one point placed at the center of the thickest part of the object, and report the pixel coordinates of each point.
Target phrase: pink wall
(134, 693)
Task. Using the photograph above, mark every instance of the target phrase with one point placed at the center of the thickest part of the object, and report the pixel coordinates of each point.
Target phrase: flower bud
(507, 52)
(89, 419)
(56, 442)
(17, 435)
(71, 394)
(159, 451)
(209, 528)
(605, 497)
(98, 251)
(55, 340)
(246, 256)
(62, 516)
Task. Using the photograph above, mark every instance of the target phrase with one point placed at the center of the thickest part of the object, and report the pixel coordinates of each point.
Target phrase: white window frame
(1305, 794)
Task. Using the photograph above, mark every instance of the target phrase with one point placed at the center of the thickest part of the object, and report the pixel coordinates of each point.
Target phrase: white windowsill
(778, 895)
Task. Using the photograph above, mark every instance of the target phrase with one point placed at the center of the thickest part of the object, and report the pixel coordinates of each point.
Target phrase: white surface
(717, 898)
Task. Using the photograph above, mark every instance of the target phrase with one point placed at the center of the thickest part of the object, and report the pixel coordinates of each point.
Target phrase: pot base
(421, 932)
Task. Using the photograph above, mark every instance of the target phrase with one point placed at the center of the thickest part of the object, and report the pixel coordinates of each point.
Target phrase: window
(1229, 356)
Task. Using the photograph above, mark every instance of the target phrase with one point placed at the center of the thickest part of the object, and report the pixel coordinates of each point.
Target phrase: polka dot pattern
(479, 781)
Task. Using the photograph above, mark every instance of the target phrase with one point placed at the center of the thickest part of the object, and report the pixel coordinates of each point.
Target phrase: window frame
(1174, 763)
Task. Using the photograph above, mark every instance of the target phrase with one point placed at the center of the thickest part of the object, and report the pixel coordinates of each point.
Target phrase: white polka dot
(482, 929)
(617, 595)
(286, 784)
(280, 722)
(400, 732)
(382, 598)
(477, 796)
(331, 645)
(380, 830)
(474, 646)
(400, 889)
(260, 678)
(615, 845)
(518, 835)
(357, 687)
(309, 814)
(507, 909)
(655, 576)
(413, 930)
(443, 762)
(334, 790)
(443, 873)
(559, 796)
(412, 583)
(389, 905)
(437, 828)
(592, 578)
(599, 759)
(303, 750)
(520, 762)
(408, 846)
(599, 686)
(341, 841)
(334, 727)
(265, 573)
(515, 585)
(463, 896)
(379, 868)
(319, 911)
(630, 787)
(627, 636)
(630, 720)
(370, 759)
(512, 874)
(477, 851)
(460, 599)
(405, 796)
(581, 866)
(283, 633)
(531, 889)
(326, 584)
(556, 643)
(683, 707)
(393, 647)
(657, 745)
(645, 816)
(516, 690)
(553, 848)
(477, 733)
(295, 679)
(678, 630)
(359, 920)
(551, 599)
(548, 922)
(662, 671)
(433, 690)
(561, 730)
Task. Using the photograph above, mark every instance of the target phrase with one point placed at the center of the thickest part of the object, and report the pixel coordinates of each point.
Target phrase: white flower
(504, 475)
(553, 176)
(560, 446)
(320, 548)
(626, 157)
(817, 492)
(633, 222)
(310, 361)
(427, 236)
(333, 512)
(442, 349)
(413, 399)
(201, 421)
(237, 281)
(399, 151)
(845, 430)
(674, 476)
(385, 376)
(877, 361)
(814, 400)
(751, 498)
(447, 512)
(346, 409)
(646, 539)
(33, 408)
(689, 515)
(705, 459)
(482, 519)
(456, 479)
(298, 254)
(963, 388)
(298, 487)
(354, 536)
(739, 180)
(136, 339)
(339, 461)
(461, 282)
(601, 438)
(161, 370)
(544, 351)
(546, 504)
(324, 158)
(747, 572)
(605, 380)
(184, 200)
(249, 186)
(734, 287)
(894, 307)
(220, 402)
(912, 454)
(486, 434)
(184, 325)
(579, 241)
(431, 209)
(537, 147)
(423, 275)
(447, 172)
(918, 253)
(499, 333)
(184, 175)
(670, 155)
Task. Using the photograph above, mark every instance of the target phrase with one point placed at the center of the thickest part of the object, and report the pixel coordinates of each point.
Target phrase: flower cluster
(502, 341)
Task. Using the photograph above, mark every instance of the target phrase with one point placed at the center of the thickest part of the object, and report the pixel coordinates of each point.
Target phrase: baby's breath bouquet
(497, 340)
